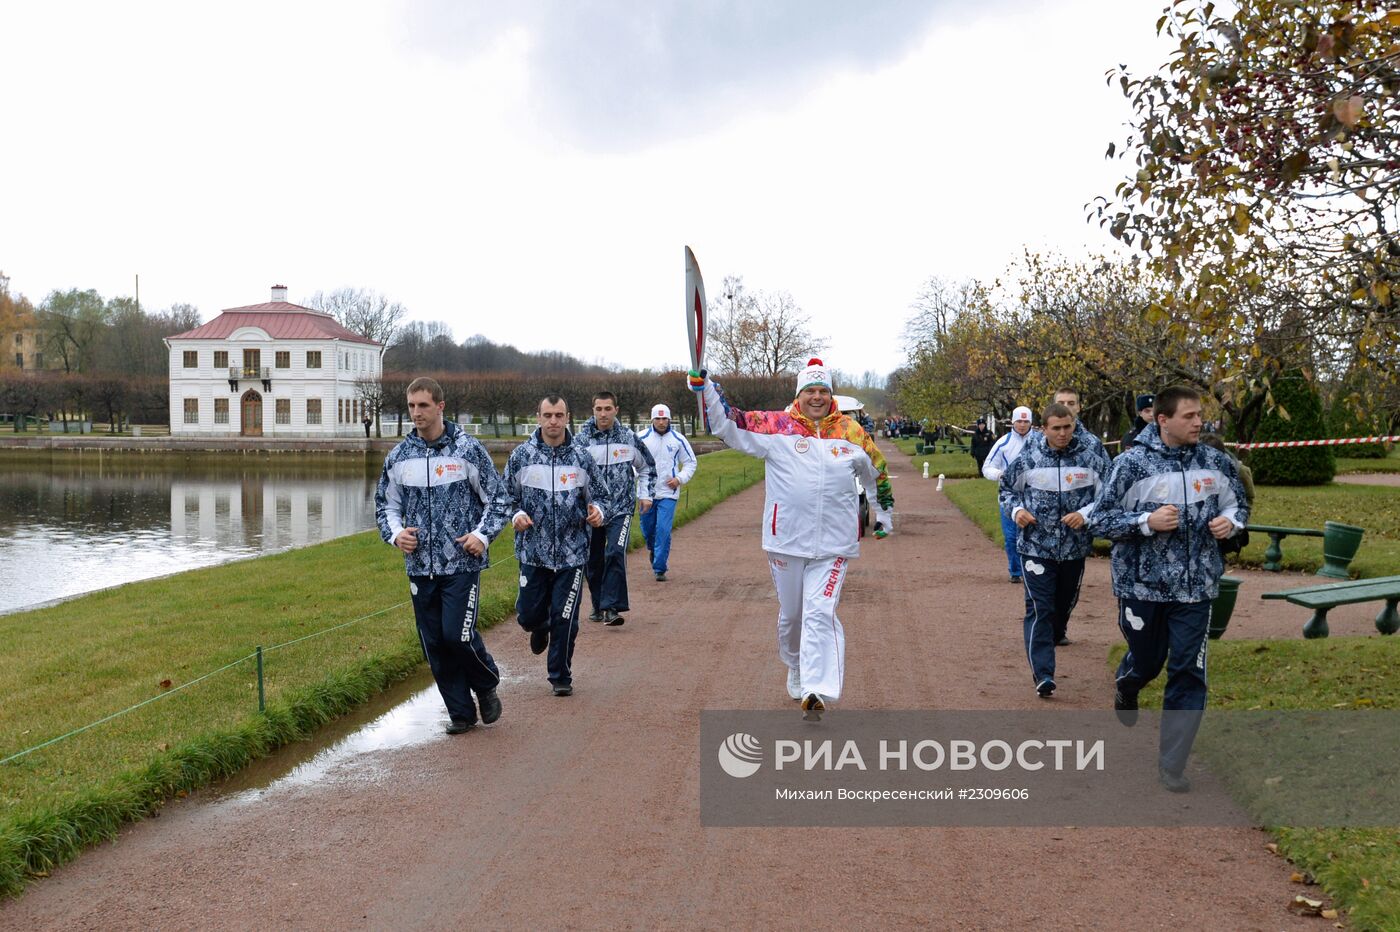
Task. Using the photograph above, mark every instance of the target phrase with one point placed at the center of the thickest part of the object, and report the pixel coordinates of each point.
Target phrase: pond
(72, 523)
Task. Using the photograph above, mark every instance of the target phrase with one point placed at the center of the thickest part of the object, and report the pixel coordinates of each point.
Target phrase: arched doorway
(251, 419)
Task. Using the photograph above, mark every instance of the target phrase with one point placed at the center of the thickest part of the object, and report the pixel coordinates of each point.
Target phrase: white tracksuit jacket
(811, 508)
(673, 457)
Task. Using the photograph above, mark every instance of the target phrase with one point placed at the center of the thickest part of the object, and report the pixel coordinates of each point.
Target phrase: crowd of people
(570, 499)
(1171, 503)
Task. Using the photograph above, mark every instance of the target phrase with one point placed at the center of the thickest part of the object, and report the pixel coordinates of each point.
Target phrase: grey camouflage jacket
(1174, 566)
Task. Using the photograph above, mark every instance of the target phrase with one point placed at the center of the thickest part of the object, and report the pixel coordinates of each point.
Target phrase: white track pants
(810, 637)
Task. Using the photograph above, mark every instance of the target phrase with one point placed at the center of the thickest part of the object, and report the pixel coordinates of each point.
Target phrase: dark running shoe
(611, 618)
(1126, 707)
(539, 641)
(459, 725)
(1046, 688)
(490, 706)
(1015, 579)
(595, 616)
(660, 577)
(1063, 641)
(563, 690)
(1174, 782)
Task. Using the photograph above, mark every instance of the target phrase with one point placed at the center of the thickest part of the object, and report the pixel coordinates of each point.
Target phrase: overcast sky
(531, 170)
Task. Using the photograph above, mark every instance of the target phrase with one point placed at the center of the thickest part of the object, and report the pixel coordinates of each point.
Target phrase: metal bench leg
(1317, 625)
(1388, 621)
(1273, 554)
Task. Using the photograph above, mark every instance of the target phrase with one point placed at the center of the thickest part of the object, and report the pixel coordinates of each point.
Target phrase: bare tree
(782, 338)
(370, 391)
(731, 316)
(757, 334)
(368, 313)
(936, 306)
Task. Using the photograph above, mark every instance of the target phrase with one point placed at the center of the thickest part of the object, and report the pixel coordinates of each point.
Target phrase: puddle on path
(347, 750)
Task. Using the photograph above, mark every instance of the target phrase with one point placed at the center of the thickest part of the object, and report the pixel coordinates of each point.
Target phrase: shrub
(1296, 395)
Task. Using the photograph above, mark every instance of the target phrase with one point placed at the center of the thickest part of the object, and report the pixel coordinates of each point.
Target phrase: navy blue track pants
(607, 564)
(445, 608)
(549, 600)
(1052, 591)
(1171, 634)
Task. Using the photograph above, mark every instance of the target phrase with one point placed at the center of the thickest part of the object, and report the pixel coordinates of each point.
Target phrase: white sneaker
(795, 683)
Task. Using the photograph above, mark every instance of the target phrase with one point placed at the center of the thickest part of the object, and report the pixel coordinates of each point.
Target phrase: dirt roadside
(584, 812)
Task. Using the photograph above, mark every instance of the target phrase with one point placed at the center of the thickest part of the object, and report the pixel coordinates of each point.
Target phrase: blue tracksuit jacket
(445, 490)
(621, 456)
(1175, 566)
(1050, 484)
(554, 486)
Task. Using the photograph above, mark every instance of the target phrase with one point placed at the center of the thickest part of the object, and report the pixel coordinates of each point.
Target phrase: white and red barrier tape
(1311, 443)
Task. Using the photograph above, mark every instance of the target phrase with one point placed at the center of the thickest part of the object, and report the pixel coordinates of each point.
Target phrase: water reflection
(352, 749)
(73, 524)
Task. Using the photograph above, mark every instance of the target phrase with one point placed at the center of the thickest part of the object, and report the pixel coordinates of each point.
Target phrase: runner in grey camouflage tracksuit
(630, 472)
(432, 502)
(1048, 492)
(552, 492)
(1167, 502)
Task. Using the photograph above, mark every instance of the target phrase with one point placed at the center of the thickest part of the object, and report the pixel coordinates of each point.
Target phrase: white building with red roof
(270, 370)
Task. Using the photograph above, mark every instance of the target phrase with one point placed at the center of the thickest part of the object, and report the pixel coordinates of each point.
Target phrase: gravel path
(584, 812)
(1369, 478)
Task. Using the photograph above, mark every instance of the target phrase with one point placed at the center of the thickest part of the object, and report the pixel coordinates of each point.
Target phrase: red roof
(281, 320)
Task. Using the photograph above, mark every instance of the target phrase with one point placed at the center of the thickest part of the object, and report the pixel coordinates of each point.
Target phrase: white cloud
(529, 195)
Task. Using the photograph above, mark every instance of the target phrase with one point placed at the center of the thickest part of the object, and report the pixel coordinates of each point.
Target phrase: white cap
(1022, 413)
(660, 411)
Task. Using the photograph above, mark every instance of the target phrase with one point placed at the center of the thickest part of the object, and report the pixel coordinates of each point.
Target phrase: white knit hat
(1021, 414)
(660, 411)
(814, 374)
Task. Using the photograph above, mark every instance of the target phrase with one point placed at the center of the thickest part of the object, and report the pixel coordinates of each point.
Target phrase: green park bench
(1339, 545)
(1322, 598)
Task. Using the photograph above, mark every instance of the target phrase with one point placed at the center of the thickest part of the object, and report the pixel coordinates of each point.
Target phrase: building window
(191, 410)
(313, 359)
(19, 360)
(38, 360)
(313, 410)
(340, 411)
(19, 339)
(283, 359)
(220, 409)
(220, 359)
(284, 410)
(191, 359)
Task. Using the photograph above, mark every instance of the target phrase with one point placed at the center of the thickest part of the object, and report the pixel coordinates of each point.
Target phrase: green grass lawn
(950, 465)
(1391, 463)
(1358, 867)
(1376, 508)
(72, 664)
